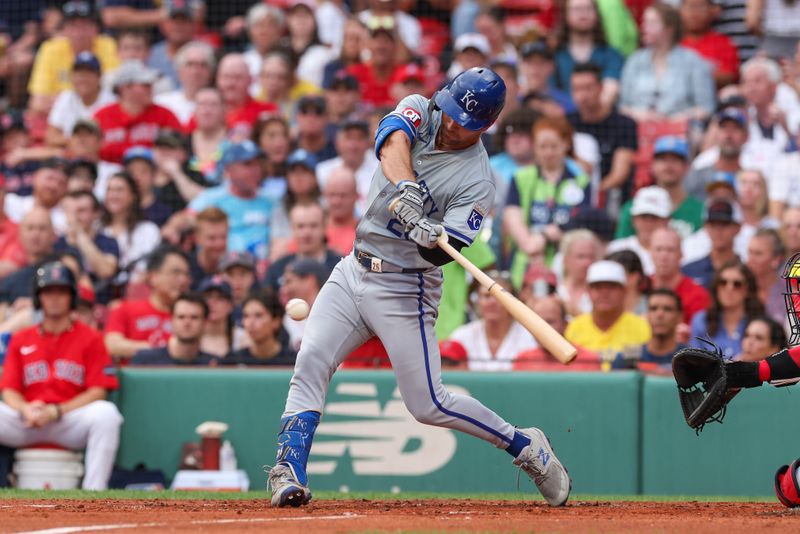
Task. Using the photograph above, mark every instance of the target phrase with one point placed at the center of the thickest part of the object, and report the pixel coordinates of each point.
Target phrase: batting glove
(426, 232)
(408, 207)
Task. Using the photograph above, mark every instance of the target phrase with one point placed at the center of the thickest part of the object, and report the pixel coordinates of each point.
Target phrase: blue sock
(519, 442)
(294, 442)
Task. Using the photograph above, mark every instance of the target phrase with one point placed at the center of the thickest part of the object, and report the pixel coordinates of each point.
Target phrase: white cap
(134, 72)
(652, 200)
(472, 40)
(606, 271)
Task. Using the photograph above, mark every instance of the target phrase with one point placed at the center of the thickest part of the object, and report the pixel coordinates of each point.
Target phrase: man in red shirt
(665, 249)
(55, 381)
(135, 119)
(144, 324)
(718, 49)
(375, 77)
(241, 111)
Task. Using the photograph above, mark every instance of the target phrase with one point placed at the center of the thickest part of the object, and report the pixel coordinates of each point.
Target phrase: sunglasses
(736, 284)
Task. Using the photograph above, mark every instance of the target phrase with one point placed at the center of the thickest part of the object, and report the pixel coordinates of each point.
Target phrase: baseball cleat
(286, 490)
(540, 463)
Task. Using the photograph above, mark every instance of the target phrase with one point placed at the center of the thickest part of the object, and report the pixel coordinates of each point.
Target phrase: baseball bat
(545, 334)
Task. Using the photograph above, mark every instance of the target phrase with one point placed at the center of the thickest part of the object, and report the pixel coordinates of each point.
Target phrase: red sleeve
(118, 320)
(12, 367)
(171, 121)
(729, 58)
(100, 371)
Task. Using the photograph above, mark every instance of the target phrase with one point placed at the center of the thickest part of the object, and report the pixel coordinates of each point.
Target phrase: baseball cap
(237, 259)
(652, 200)
(670, 144)
(722, 179)
(302, 157)
(133, 71)
(722, 210)
(732, 114)
(409, 72)
(87, 125)
(216, 283)
(472, 40)
(536, 48)
(243, 151)
(182, 8)
(595, 220)
(75, 167)
(376, 24)
(170, 139)
(86, 60)
(308, 267)
(342, 80)
(452, 350)
(77, 9)
(540, 272)
(138, 152)
(606, 271)
(311, 103)
(352, 123)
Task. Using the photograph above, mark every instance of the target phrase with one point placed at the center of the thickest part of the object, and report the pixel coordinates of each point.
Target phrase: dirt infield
(68, 516)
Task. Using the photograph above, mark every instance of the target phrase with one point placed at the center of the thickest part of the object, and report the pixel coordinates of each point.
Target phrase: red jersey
(139, 320)
(717, 49)
(694, 297)
(55, 368)
(370, 355)
(10, 248)
(122, 131)
(373, 90)
(240, 121)
(539, 360)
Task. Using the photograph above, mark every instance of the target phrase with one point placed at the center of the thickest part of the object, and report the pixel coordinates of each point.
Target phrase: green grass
(329, 495)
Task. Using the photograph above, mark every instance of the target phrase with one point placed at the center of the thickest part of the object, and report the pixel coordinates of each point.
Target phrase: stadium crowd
(197, 164)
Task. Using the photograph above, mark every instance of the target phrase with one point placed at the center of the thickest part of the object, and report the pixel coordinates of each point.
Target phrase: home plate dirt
(73, 516)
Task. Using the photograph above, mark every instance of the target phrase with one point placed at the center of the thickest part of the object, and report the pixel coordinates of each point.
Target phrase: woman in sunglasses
(734, 301)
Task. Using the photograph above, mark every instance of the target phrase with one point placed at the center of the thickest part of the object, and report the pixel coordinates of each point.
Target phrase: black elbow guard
(438, 256)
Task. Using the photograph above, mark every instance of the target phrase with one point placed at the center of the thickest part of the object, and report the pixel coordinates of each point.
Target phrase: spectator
(137, 325)
(751, 189)
(723, 220)
(553, 311)
(54, 390)
(311, 128)
(209, 134)
(211, 243)
(241, 111)
(784, 184)
(537, 69)
(664, 312)
(353, 146)
(139, 163)
(84, 145)
(493, 341)
(303, 44)
(507, 71)
(664, 80)
(727, 156)
(265, 26)
(331, 16)
(238, 269)
(55, 57)
(375, 75)
(452, 353)
(650, 211)
(36, 238)
(763, 336)
(579, 250)
(78, 103)
(124, 221)
(49, 187)
(178, 28)
(734, 300)
(471, 50)
(272, 135)
(381, 12)
(731, 22)
(637, 286)
(765, 256)
(118, 14)
(133, 45)
(490, 23)
(308, 232)
(302, 188)
(608, 330)
(262, 316)
(18, 162)
(666, 251)
(175, 182)
(194, 65)
(354, 42)
(135, 119)
(97, 253)
(340, 197)
(12, 255)
(774, 23)
(582, 39)
(544, 196)
(188, 319)
(342, 95)
(697, 16)
(220, 335)
(514, 144)
(248, 209)
(790, 228)
(279, 84)
(539, 282)
(302, 279)
(81, 176)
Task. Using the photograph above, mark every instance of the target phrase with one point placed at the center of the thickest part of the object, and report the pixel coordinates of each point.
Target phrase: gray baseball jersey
(458, 189)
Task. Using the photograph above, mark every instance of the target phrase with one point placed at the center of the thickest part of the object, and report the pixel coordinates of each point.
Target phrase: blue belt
(377, 265)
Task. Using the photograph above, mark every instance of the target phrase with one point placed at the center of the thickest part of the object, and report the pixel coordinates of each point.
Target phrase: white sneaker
(540, 463)
(286, 490)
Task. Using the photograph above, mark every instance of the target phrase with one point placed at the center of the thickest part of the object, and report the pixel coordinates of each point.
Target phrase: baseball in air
(297, 309)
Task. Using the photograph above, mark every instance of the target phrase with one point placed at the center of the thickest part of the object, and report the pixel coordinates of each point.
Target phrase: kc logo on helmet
(469, 103)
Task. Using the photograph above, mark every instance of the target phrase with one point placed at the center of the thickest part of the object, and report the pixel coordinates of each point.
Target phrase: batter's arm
(395, 156)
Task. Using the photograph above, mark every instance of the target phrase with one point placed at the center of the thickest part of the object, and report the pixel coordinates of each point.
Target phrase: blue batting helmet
(473, 99)
(54, 274)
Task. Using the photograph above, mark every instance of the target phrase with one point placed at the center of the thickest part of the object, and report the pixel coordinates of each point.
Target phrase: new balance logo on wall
(378, 440)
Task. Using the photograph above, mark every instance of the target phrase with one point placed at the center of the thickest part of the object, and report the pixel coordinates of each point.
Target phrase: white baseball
(297, 309)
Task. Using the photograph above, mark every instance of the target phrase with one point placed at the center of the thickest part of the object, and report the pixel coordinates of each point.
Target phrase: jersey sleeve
(410, 116)
(466, 212)
(12, 369)
(100, 371)
(43, 77)
(117, 321)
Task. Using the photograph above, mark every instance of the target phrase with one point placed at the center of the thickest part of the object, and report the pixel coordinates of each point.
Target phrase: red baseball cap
(452, 350)
(410, 72)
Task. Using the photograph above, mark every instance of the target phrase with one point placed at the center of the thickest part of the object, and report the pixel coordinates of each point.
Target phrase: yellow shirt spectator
(628, 333)
(53, 64)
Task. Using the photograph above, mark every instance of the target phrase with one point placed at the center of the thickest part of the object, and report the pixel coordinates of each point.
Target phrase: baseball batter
(433, 163)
